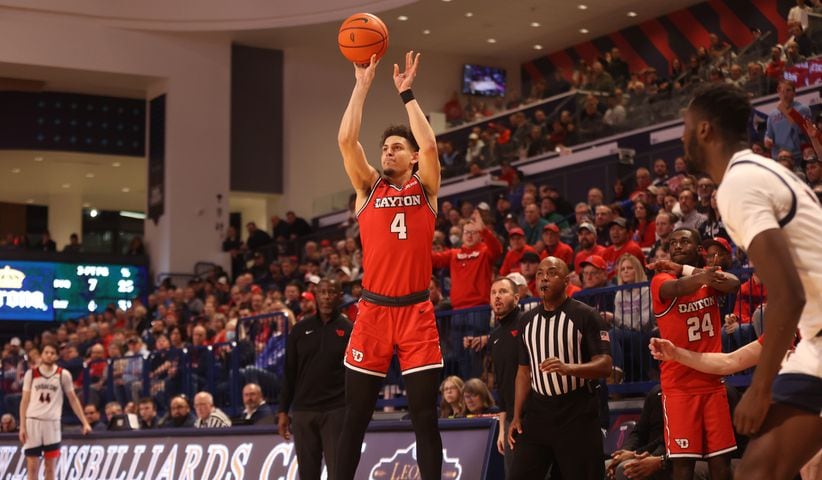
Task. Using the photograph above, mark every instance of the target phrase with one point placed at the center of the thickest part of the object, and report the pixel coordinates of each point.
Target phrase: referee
(314, 386)
(564, 350)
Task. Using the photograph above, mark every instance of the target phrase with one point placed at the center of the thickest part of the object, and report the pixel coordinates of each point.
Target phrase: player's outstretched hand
(751, 410)
(86, 428)
(666, 266)
(662, 350)
(22, 435)
(404, 80)
(516, 427)
(553, 364)
(365, 73)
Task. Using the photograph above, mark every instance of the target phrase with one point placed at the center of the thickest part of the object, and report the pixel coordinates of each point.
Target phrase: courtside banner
(243, 453)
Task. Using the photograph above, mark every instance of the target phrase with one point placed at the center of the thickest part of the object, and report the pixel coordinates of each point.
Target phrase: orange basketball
(362, 35)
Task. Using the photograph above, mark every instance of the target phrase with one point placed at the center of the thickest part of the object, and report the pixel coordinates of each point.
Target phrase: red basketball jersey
(397, 230)
(691, 322)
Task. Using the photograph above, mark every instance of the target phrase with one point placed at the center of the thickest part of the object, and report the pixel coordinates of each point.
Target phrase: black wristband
(406, 95)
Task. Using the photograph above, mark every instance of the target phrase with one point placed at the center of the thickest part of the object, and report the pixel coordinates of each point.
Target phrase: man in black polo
(564, 349)
(504, 342)
(314, 385)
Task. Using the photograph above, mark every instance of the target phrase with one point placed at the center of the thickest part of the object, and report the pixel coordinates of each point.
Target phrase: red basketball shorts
(698, 425)
(379, 330)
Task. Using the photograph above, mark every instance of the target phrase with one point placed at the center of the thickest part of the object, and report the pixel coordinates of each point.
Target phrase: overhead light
(446, 1)
(402, 18)
(537, 47)
(582, 6)
(30, 201)
(469, 14)
(125, 189)
(115, 164)
(632, 14)
(535, 24)
(89, 175)
(426, 32)
(492, 40)
(137, 215)
(38, 159)
(66, 185)
(86, 204)
(583, 31)
(93, 213)
(15, 170)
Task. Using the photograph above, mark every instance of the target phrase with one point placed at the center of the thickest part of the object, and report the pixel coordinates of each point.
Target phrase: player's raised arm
(361, 174)
(708, 362)
(429, 162)
(770, 252)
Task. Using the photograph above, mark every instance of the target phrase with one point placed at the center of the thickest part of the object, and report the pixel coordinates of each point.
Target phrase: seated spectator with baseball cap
(595, 275)
(621, 244)
(587, 238)
(516, 249)
(554, 247)
(528, 268)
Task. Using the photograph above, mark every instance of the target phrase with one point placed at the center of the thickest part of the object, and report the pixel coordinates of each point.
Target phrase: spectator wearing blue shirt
(782, 132)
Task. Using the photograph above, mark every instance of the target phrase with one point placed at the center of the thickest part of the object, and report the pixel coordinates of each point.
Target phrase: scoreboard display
(58, 291)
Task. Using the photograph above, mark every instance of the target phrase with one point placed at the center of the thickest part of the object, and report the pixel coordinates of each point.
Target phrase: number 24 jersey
(691, 322)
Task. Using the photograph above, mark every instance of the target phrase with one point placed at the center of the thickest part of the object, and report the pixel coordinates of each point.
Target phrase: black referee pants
(315, 436)
(562, 431)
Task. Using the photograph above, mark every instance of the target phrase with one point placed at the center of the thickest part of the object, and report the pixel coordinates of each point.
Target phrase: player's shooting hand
(516, 427)
(283, 425)
(404, 80)
(751, 410)
(662, 350)
(553, 364)
(666, 266)
(365, 73)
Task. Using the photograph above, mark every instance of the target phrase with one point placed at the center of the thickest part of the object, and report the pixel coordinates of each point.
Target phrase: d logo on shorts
(356, 355)
(682, 442)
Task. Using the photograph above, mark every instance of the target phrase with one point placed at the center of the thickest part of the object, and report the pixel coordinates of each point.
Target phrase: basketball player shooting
(41, 409)
(396, 213)
(774, 216)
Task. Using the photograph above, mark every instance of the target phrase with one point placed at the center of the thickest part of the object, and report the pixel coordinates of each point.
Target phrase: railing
(257, 354)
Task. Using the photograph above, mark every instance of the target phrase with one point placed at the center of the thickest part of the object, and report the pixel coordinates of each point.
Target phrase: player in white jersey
(777, 219)
(41, 409)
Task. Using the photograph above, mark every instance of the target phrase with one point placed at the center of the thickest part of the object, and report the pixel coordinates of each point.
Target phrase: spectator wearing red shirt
(554, 247)
(645, 231)
(621, 244)
(752, 295)
(516, 249)
(472, 264)
(587, 239)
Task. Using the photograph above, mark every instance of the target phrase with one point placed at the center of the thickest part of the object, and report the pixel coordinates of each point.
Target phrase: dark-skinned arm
(522, 386)
(770, 253)
(685, 285)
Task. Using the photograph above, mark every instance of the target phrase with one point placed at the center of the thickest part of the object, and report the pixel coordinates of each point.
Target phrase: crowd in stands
(611, 99)
(168, 362)
(44, 243)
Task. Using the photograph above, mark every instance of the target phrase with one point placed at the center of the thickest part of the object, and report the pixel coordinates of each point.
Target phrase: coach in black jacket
(314, 385)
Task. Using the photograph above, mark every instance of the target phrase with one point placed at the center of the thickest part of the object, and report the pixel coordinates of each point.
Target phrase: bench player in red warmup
(697, 416)
(396, 212)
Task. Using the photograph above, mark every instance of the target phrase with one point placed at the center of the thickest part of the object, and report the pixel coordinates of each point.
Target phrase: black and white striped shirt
(574, 333)
(217, 419)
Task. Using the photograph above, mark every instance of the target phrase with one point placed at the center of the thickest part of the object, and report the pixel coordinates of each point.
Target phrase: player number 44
(398, 226)
(697, 327)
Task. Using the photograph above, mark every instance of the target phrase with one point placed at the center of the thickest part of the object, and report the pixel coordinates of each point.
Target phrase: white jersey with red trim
(47, 390)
